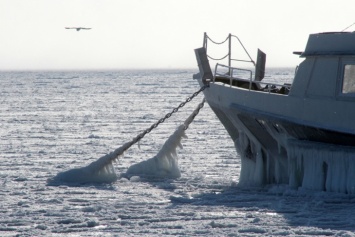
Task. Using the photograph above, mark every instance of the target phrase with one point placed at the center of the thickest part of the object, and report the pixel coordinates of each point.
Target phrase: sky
(130, 34)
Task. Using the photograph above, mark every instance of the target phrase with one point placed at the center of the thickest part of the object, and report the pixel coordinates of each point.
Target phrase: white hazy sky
(157, 33)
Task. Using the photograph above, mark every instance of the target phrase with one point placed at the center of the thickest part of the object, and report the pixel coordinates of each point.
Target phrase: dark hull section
(272, 131)
(255, 122)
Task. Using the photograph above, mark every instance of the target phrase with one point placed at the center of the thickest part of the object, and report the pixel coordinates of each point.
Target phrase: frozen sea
(55, 121)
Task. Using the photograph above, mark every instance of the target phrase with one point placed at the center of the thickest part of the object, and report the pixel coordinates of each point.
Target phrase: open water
(54, 121)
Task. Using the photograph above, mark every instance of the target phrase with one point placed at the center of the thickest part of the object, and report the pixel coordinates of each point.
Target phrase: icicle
(322, 167)
(259, 171)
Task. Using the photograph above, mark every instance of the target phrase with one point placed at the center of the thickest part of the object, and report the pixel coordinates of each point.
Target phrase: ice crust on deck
(308, 165)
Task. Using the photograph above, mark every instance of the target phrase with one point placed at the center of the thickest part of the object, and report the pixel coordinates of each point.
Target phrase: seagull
(77, 28)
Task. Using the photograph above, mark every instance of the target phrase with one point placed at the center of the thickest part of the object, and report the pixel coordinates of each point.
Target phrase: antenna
(348, 27)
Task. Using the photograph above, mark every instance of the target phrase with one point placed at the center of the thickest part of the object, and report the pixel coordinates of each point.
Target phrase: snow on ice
(49, 125)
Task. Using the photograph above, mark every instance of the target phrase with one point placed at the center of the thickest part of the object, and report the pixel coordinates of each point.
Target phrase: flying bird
(77, 28)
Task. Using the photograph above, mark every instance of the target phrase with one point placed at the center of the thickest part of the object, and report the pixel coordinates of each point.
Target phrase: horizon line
(114, 69)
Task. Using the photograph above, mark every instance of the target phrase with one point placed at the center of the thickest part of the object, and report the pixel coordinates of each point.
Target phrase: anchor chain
(193, 115)
(168, 115)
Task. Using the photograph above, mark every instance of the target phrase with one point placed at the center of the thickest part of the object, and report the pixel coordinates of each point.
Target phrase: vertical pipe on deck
(205, 41)
(230, 57)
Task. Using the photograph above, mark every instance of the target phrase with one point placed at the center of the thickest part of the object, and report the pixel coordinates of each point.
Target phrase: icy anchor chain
(119, 151)
(168, 115)
(93, 172)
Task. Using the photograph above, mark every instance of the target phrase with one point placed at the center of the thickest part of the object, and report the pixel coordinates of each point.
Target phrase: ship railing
(240, 75)
(229, 38)
(233, 73)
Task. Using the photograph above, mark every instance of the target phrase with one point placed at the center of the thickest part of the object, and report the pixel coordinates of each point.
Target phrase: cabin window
(349, 79)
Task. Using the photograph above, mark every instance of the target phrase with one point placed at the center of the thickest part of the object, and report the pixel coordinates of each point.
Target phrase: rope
(217, 59)
(217, 42)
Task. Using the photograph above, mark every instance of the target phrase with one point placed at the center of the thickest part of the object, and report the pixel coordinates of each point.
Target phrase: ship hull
(300, 133)
(277, 138)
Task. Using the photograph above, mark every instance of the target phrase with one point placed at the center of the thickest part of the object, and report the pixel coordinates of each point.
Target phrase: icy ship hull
(304, 138)
(276, 150)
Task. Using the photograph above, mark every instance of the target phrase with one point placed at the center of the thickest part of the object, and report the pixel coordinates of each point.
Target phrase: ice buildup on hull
(315, 105)
(309, 165)
(322, 167)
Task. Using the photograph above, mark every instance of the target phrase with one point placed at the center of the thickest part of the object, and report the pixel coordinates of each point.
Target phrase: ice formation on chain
(165, 163)
(99, 171)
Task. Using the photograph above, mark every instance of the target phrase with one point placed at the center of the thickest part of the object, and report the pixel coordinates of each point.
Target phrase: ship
(300, 134)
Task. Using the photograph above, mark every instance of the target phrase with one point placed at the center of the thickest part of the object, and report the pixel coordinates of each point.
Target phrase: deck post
(229, 52)
(204, 45)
